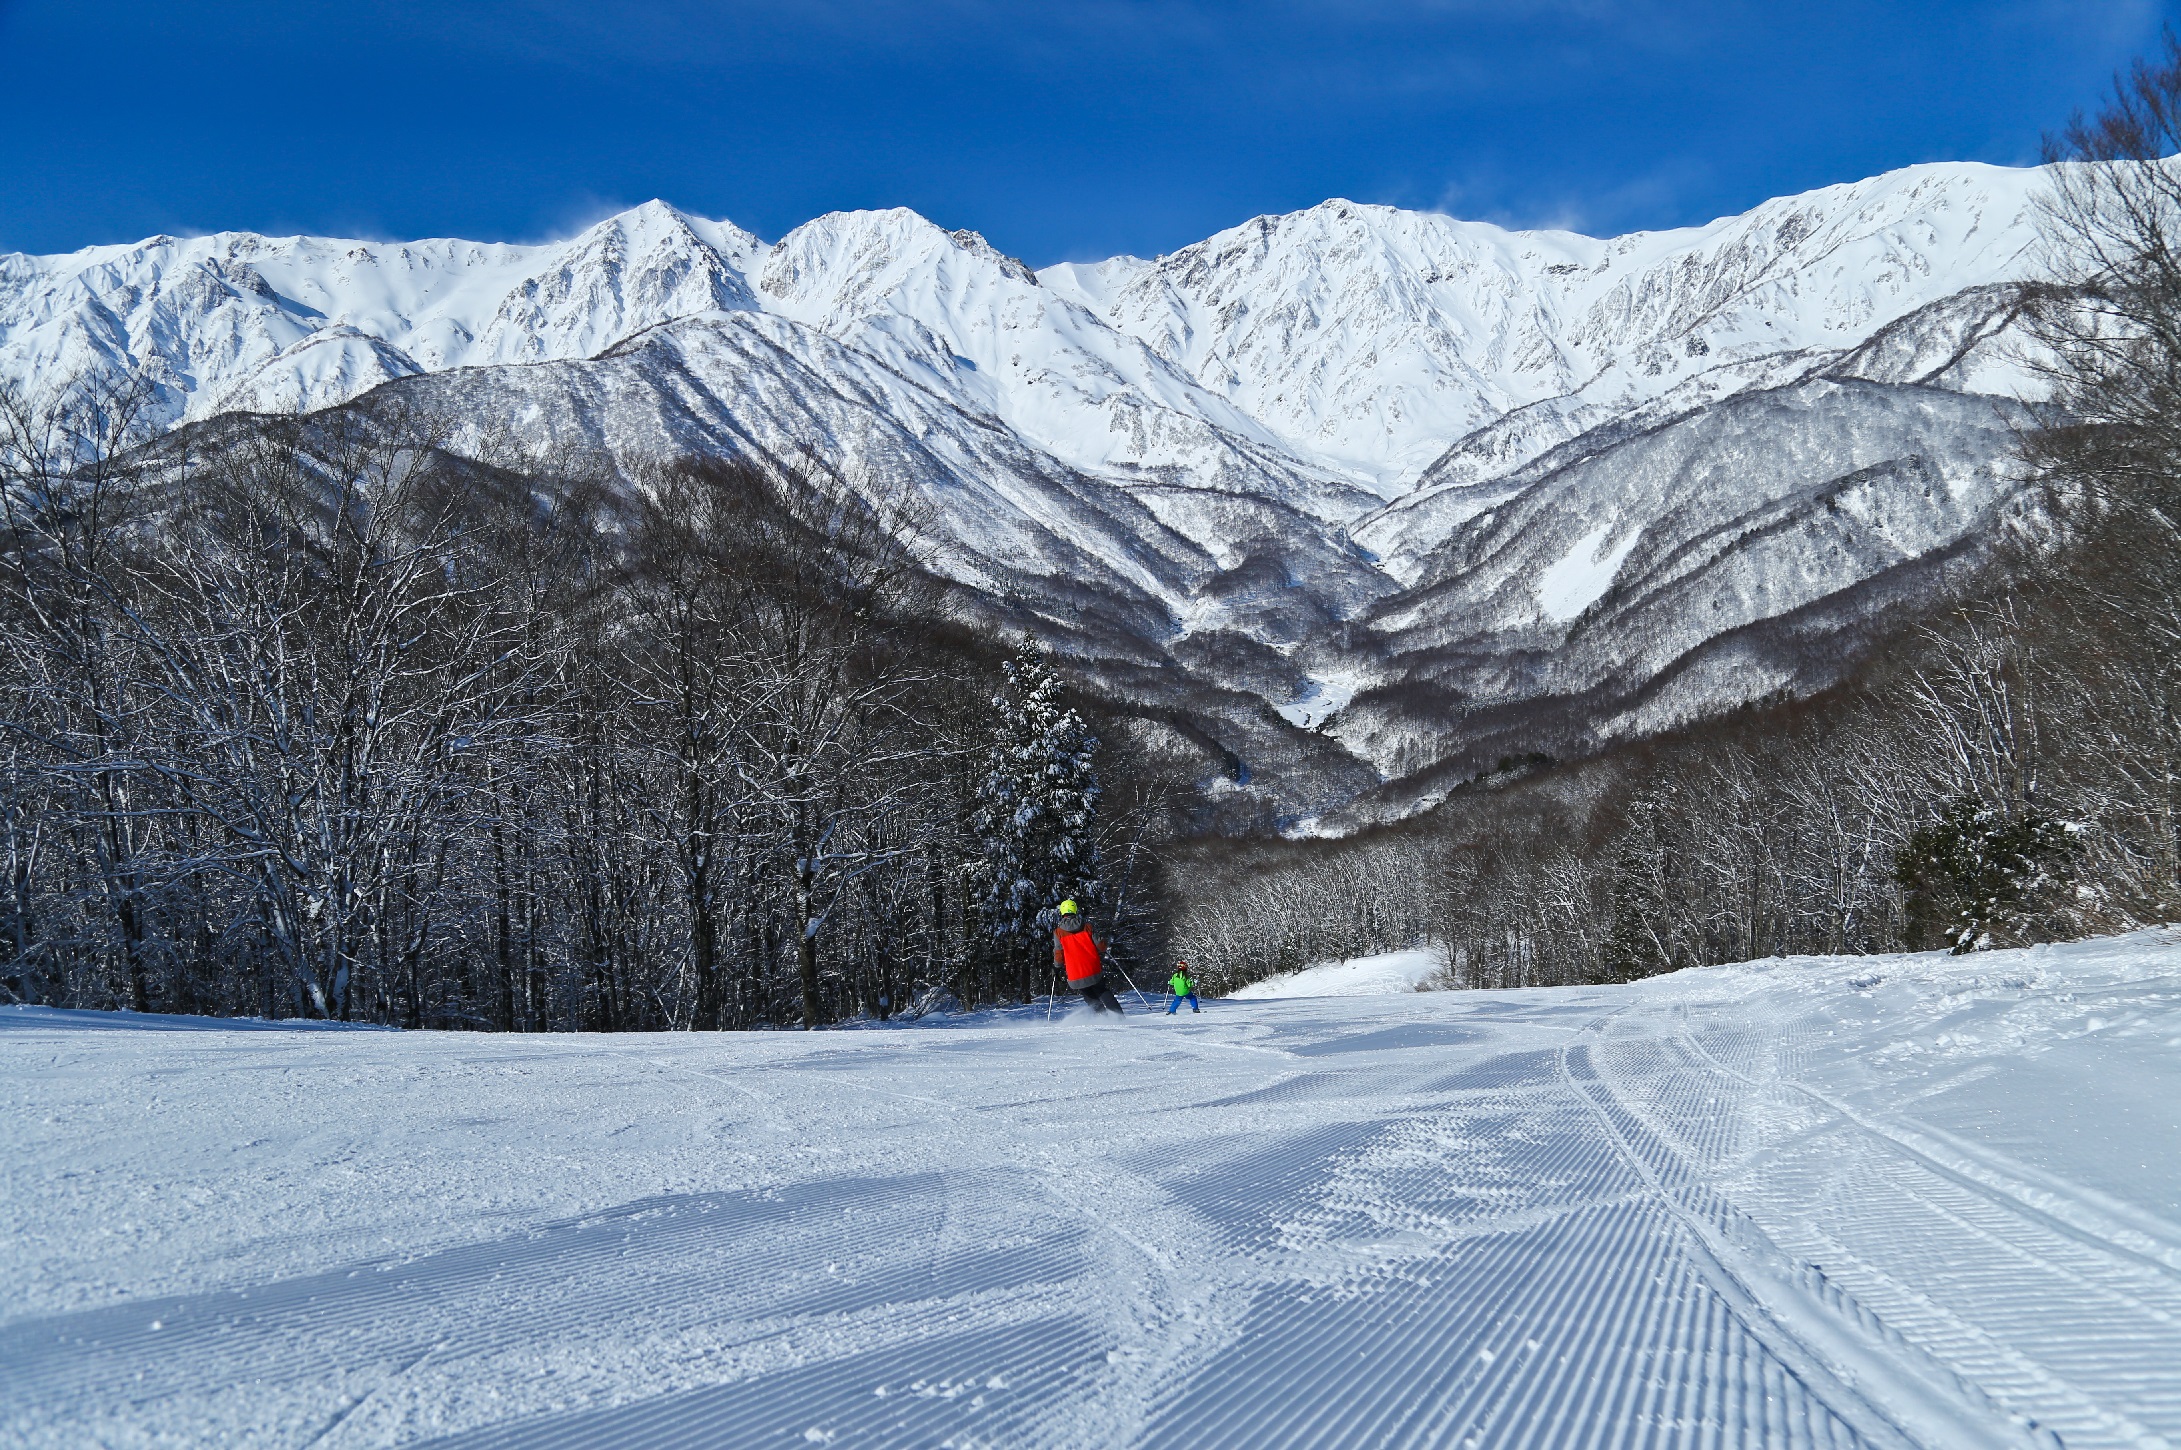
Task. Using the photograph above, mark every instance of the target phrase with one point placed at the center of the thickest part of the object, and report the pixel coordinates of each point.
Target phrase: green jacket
(1180, 984)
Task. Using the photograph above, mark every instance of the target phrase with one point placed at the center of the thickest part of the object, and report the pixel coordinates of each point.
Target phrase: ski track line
(1843, 1372)
(341, 1417)
(2038, 1308)
(1947, 1354)
(1924, 1263)
(2059, 1205)
(2002, 1370)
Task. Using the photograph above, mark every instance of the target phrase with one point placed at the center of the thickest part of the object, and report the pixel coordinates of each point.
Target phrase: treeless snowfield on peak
(1882, 1201)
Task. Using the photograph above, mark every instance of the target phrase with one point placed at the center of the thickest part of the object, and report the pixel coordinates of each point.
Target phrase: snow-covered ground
(1884, 1201)
(1357, 977)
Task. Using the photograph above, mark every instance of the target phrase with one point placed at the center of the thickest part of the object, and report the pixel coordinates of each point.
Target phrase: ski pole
(1132, 986)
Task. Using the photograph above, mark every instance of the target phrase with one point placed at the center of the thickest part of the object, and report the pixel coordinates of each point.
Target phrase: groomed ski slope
(1884, 1201)
(1376, 976)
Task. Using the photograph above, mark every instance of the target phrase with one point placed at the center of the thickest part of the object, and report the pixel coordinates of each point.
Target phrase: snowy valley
(1872, 1201)
(1349, 502)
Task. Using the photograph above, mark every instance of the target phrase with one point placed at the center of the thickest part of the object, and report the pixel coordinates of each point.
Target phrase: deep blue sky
(1060, 130)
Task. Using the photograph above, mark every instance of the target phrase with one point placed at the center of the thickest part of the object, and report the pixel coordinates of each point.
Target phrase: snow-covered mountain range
(1340, 497)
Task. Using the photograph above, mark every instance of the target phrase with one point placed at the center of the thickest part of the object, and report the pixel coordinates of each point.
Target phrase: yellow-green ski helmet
(1067, 908)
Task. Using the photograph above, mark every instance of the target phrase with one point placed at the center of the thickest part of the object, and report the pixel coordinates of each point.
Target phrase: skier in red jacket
(1076, 952)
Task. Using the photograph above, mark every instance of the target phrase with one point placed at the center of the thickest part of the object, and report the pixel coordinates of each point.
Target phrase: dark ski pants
(1099, 995)
(1179, 997)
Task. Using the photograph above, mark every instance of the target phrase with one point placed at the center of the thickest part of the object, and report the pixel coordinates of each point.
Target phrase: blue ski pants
(1175, 1005)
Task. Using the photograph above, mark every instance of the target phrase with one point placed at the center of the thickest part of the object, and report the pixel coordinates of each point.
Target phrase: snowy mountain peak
(239, 320)
(1015, 267)
(1365, 335)
(847, 266)
(658, 229)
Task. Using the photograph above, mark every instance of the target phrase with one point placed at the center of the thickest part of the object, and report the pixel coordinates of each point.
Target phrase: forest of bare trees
(2008, 778)
(312, 717)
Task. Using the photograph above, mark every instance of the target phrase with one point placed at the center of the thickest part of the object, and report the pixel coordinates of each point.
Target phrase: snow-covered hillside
(1300, 461)
(1888, 1201)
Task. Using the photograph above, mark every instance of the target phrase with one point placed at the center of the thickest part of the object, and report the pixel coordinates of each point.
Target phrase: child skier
(1182, 987)
(1076, 952)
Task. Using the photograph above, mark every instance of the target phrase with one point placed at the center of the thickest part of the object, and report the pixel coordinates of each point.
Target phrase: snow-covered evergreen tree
(1037, 806)
(1980, 878)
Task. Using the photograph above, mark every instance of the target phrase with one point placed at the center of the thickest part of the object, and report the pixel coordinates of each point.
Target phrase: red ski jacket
(1078, 953)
